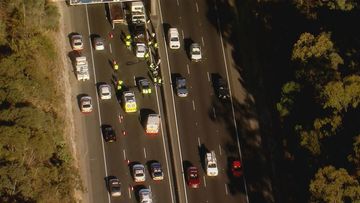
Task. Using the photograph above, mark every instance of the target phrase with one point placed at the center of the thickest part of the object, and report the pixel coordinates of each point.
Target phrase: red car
(193, 179)
(236, 169)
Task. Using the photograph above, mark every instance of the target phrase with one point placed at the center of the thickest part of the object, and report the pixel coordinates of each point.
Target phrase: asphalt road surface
(114, 159)
(205, 123)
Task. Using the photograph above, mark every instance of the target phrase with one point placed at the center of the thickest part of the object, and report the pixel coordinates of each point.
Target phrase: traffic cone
(123, 132)
(111, 35)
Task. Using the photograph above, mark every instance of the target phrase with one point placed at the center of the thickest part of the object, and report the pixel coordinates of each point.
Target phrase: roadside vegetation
(35, 161)
(314, 65)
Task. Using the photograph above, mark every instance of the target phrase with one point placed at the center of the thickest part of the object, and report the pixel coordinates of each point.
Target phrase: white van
(173, 37)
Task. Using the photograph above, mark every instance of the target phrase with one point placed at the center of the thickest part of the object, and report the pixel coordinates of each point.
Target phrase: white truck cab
(211, 164)
(152, 124)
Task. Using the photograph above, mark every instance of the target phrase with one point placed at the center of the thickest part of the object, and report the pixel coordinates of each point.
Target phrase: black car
(222, 89)
(109, 133)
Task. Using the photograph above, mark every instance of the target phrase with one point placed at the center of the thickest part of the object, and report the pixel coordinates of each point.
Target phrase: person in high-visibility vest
(146, 56)
(128, 37)
(120, 84)
(156, 45)
(116, 65)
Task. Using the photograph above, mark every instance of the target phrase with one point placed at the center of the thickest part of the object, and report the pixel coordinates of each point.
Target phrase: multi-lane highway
(203, 122)
(132, 145)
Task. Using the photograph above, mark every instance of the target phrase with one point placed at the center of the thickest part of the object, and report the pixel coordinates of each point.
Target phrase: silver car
(195, 52)
(105, 91)
(139, 173)
(115, 187)
(181, 89)
(98, 43)
(145, 196)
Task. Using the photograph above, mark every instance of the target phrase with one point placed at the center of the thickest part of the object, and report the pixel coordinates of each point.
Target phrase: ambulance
(129, 102)
(152, 124)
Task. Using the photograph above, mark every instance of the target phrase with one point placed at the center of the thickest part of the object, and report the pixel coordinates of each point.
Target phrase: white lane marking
(220, 149)
(214, 112)
(197, 7)
(182, 33)
(202, 40)
(97, 99)
(188, 69)
(231, 101)
(176, 121)
(177, 1)
(215, 7)
(164, 146)
(226, 189)
(208, 76)
(134, 81)
(144, 152)
(110, 47)
(150, 187)
(129, 190)
(193, 103)
(199, 143)
(124, 153)
(204, 181)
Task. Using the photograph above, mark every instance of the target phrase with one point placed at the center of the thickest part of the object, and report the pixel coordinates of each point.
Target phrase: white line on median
(208, 76)
(188, 69)
(204, 181)
(144, 152)
(199, 143)
(110, 48)
(193, 103)
(97, 98)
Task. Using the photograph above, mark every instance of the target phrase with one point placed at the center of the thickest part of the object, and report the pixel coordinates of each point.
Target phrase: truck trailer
(117, 13)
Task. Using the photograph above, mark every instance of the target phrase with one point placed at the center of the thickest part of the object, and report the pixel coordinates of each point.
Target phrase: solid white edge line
(173, 101)
(164, 146)
(231, 101)
(97, 99)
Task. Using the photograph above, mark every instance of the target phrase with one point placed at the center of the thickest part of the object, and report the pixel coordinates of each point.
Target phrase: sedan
(222, 90)
(236, 169)
(86, 104)
(109, 133)
(98, 43)
(138, 173)
(193, 179)
(156, 171)
(195, 52)
(114, 187)
(181, 89)
(105, 91)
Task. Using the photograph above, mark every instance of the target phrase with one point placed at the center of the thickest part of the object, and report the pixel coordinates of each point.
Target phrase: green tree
(334, 185)
(355, 156)
(288, 94)
(340, 95)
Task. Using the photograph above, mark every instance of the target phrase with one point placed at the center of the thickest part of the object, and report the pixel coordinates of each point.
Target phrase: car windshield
(78, 43)
(196, 51)
(174, 39)
(157, 174)
(193, 175)
(212, 165)
(86, 105)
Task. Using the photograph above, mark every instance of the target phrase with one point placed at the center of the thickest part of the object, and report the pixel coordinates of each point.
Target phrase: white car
(77, 42)
(105, 91)
(140, 50)
(174, 39)
(139, 173)
(86, 104)
(195, 52)
(98, 43)
(145, 195)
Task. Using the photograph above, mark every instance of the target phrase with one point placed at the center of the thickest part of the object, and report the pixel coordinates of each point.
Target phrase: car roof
(193, 169)
(155, 164)
(85, 98)
(138, 166)
(174, 31)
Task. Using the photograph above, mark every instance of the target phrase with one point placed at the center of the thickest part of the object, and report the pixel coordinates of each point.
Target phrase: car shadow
(107, 180)
(136, 189)
(166, 27)
(187, 44)
(144, 113)
(202, 150)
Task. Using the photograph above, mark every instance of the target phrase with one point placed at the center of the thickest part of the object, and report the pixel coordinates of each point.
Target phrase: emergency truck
(152, 125)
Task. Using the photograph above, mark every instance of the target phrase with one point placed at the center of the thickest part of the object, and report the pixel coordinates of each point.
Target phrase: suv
(173, 36)
(181, 89)
(114, 187)
(195, 52)
(156, 171)
(109, 133)
(138, 173)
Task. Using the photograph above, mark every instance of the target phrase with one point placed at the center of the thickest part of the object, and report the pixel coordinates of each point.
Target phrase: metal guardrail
(84, 2)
